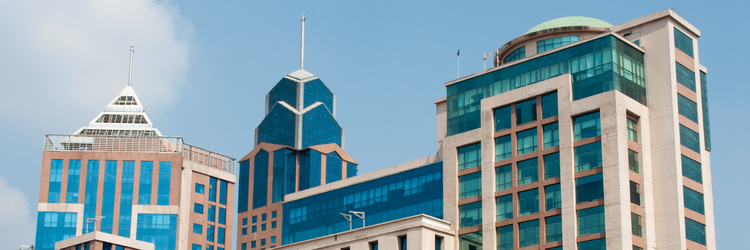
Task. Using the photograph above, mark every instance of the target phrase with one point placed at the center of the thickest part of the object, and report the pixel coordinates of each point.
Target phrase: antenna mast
(302, 53)
(130, 72)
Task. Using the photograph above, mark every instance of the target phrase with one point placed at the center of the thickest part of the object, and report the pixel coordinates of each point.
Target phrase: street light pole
(89, 220)
(348, 218)
(361, 215)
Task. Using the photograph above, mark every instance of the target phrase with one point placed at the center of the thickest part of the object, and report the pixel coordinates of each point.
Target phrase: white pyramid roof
(124, 115)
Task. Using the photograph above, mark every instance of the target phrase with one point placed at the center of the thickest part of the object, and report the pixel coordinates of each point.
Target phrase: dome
(570, 21)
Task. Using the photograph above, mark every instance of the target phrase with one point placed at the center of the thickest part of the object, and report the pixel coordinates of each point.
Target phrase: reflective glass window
(210, 233)
(687, 108)
(525, 112)
(635, 193)
(92, 187)
(108, 196)
(528, 171)
(197, 228)
(635, 225)
(695, 231)
(165, 182)
(145, 183)
(470, 156)
(55, 181)
(704, 104)
(504, 177)
(693, 200)
(320, 127)
(591, 221)
(334, 165)
(587, 126)
(554, 228)
(528, 233)
(588, 156)
(552, 165)
(502, 118)
(632, 132)
(200, 188)
(470, 215)
(589, 188)
(159, 229)
(527, 141)
(505, 237)
(685, 76)
(351, 170)
(548, 44)
(690, 139)
(211, 213)
(516, 54)
(198, 208)
(220, 235)
(552, 197)
(310, 162)
(52, 227)
(74, 181)
(598, 244)
(126, 198)
(528, 202)
(633, 161)
(551, 135)
(692, 169)
(470, 185)
(504, 207)
(470, 241)
(260, 179)
(683, 42)
(222, 216)
(549, 105)
(503, 148)
(280, 173)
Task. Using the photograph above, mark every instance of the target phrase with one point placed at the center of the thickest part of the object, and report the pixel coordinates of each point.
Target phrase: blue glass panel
(504, 207)
(52, 227)
(144, 184)
(260, 179)
(587, 126)
(126, 198)
(591, 221)
(243, 190)
(551, 135)
(552, 197)
(319, 127)
(526, 112)
(222, 216)
(470, 185)
(588, 156)
(108, 196)
(692, 169)
(223, 192)
(687, 108)
(334, 166)
(165, 182)
(197, 228)
(693, 200)
(278, 127)
(548, 44)
(210, 233)
(528, 233)
(685, 76)
(598, 244)
(504, 238)
(503, 148)
(554, 228)
(211, 213)
(351, 170)
(596, 66)
(279, 174)
(55, 181)
(159, 229)
(704, 104)
(504, 177)
(528, 171)
(74, 181)
(502, 118)
(198, 208)
(417, 191)
(470, 156)
(528, 202)
(552, 165)
(683, 42)
(470, 241)
(291, 173)
(690, 139)
(316, 91)
(695, 231)
(527, 141)
(92, 187)
(470, 215)
(220, 235)
(516, 54)
(309, 169)
(285, 90)
(589, 188)
(200, 188)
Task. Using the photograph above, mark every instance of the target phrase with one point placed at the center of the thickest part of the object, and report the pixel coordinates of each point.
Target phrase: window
(244, 231)
(470, 241)
(470, 214)
(525, 112)
(549, 105)
(262, 227)
(165, 178)
(273, 224)
(263, 217)
(527, 141)
(198, 208)
(210, 233)
(211, 214)
(637, 248)
(685, 76)
(692, 169)
(254, 229)
(704, 104)
(598, 244)
(683, 42)
(552, 197)
(470, 156)
(528, 202)
(244, 246)
(516, 54)
(74, 180)
(551, 135)
(195, 246)
(220, 235)
(263, 242)
(55, 181)
(528, 233)
(504, 207)
(695, 231)
(504, 177)
(588, 156)
(402, 242)
(253, 244)
(438, 243)
(591, 221)
(197, 228)
(587, 126)
(470, 185)
(374, 245)
(690, 139)
(502, 118)
(199, 188)
(632, 132)
(334, 165)
(687, 108)
(548, 44)
(144, 186)
(633, 161)
(255, 219)
(528, 171)
(244, 221)
(273, 215)
(589, 188)
(505, 237)
(273, 239)
(554, 228)
(212, 186)
(635, 224)
(635, 193)
(693, 200)
(260, 179)
(222, 216)
(551, 165)
(503, 148)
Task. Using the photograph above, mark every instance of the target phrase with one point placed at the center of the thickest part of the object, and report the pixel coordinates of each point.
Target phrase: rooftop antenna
(302, 53)
(458, 63)
(130, 73)
(484, 59)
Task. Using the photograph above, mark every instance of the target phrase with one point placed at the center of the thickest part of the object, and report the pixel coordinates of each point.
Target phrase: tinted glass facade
(160, 229)
(692, 169)
(126, 198)
(597, 66)
(685, 76)
(309, 169)
(683, 42)
(260, 179)
(74, 180)
(333, 167)
(52, 227)
(284, 172)
(145, 183)
(516, 54)
(165, 182)
(108, 196)
(690, 139)
(588, 156)
(470, 156)
(548, 44)
(589, 188)
(384, 199)
(90, 198)
(591, 220)
(243, 192)
(55, 181)
(704, 104)
(687, 108)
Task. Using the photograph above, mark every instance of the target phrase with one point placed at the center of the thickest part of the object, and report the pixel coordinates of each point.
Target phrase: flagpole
(458, 63)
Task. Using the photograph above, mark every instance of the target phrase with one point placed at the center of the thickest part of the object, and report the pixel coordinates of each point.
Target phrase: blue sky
(202, 70)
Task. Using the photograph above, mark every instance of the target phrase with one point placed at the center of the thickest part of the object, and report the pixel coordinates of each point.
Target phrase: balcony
(140, 144)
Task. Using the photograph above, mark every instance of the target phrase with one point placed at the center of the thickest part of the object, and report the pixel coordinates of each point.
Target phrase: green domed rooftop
(570, 21)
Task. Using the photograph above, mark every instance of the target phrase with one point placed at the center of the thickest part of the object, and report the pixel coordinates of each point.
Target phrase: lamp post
(361, 215)
(89, 220)
(348, 218)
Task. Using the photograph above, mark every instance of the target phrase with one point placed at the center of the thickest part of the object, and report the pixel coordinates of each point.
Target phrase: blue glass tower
(300, 112)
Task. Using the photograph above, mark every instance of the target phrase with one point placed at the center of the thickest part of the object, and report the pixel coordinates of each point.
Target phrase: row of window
(208, 247)
(529, 234)
(254, 244)
(526, 111)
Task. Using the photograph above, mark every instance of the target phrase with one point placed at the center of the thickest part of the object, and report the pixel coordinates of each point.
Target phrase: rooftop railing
(141, 144)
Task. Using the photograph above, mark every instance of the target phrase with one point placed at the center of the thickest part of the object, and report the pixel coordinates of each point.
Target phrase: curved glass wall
(517, 54)
(548, 44)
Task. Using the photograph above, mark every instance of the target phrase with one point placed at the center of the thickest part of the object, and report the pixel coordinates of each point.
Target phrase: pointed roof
(301, 75)
(124, 115)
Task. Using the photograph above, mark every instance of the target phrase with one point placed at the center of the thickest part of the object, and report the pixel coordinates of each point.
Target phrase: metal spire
(302, 53)
(130, 73)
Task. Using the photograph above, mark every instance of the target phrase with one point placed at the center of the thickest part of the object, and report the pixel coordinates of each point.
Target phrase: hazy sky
(202, 71)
